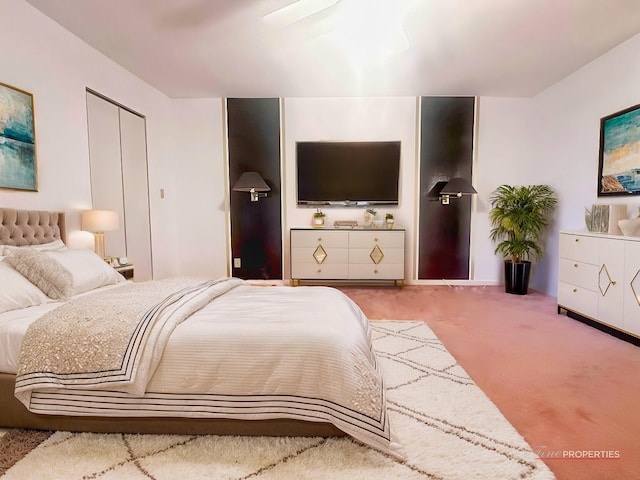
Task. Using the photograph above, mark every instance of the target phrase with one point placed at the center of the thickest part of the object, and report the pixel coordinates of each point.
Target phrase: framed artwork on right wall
(619, 166)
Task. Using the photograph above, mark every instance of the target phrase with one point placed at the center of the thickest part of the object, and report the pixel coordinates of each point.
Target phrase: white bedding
(253, 353)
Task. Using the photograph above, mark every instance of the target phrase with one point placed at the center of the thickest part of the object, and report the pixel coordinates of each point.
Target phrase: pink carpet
(571, 391)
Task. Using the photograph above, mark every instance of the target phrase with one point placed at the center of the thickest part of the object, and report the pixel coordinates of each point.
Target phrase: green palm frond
(519, 216)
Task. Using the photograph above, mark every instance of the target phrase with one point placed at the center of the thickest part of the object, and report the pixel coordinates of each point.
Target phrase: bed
(215, 356)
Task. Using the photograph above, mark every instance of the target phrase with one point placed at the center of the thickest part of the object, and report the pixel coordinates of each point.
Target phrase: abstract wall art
(17, 140)
(619, 168)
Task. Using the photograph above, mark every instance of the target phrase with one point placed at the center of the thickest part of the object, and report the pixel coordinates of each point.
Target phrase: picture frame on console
(619, 159)
(18, 169)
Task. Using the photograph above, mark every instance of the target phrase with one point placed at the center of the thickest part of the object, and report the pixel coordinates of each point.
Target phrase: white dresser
(325, 255)
(599, 279)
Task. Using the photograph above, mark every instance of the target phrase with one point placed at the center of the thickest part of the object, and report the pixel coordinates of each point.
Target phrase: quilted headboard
(30, 227)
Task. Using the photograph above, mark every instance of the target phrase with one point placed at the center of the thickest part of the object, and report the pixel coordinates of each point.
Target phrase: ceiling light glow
(296, 11)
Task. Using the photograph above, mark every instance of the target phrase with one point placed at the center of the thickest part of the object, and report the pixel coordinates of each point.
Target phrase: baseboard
(622, 335)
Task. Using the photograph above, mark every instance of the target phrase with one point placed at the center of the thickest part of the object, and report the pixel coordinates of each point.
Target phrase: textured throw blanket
(109, 340)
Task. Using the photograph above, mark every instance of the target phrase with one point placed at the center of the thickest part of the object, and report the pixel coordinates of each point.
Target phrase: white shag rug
(449, 429)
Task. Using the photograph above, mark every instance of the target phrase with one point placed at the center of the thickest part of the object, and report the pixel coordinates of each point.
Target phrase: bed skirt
(13, 414)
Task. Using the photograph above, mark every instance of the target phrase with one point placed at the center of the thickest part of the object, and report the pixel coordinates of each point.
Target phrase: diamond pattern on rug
(449, 428)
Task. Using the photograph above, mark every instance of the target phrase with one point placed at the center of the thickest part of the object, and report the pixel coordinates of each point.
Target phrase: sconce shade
(100, 221)
(253, 183)
(457, 187)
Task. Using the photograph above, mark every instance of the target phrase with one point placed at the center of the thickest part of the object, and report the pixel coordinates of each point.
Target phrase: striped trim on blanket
(374, 431)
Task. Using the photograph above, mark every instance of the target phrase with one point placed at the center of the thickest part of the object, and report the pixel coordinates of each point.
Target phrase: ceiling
(225, 48)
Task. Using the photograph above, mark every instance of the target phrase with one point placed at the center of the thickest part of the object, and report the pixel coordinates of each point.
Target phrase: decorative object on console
(369, 216)
(17, 140)
(253, 183)
(630, 227)
(604, 218)
(318, 218)
(619, 166)
(456, 188)
(98, 222)
(345, 223)
(519, 216)
(389, 220)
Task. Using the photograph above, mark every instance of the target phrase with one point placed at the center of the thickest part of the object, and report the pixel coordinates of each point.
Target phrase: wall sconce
(253, 183)
(456, 187)
(98, 222)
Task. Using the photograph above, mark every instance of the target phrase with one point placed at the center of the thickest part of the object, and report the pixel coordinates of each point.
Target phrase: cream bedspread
(254, 353)
(112, 340)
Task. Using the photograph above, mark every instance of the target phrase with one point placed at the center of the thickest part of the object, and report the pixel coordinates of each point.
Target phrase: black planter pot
(516, 277)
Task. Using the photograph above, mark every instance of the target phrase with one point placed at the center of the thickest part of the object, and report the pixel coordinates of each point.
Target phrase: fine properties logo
(545, 453)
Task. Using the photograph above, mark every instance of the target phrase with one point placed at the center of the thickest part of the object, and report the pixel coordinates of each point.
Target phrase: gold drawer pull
(613, 282)
(575, 290)
(319, 239)
(575, 265)
(375, 271)
(577, 239)
(319, 270)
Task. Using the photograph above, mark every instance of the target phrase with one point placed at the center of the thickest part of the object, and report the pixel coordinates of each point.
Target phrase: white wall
(553, 138)
(200, 188)
(501, 154)
(351, 119)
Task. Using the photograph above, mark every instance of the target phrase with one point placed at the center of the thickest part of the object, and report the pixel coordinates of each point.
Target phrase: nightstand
(125, 270)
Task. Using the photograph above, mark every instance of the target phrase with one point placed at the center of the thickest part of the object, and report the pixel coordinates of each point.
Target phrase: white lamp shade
(100, 221)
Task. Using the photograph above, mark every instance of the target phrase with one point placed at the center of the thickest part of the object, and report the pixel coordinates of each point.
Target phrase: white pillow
(55, 245)
(63, 273)
(17, 292)
(88, 270)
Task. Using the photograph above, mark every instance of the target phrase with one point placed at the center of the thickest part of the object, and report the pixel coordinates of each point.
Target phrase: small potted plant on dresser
(318, 218)
(389, 220)
(519, 216)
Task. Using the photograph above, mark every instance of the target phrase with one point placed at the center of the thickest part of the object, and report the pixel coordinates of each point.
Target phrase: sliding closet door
(106, 168)
(136, 192)
(119, 180)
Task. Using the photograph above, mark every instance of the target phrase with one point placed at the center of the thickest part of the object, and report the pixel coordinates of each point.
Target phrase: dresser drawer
(577, 299)
(385, 239)
(388, 255)
(577, 273)
(331, 255)
(313, 238)
(376, 272)
(320, 272)
(580, 247)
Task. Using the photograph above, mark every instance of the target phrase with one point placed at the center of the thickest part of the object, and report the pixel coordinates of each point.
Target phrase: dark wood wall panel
(446, 151)
(254, 146)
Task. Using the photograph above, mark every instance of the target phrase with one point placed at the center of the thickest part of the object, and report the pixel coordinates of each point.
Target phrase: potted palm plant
(519, 216)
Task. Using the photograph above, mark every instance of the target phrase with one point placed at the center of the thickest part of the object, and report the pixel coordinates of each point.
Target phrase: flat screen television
(348, 173)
